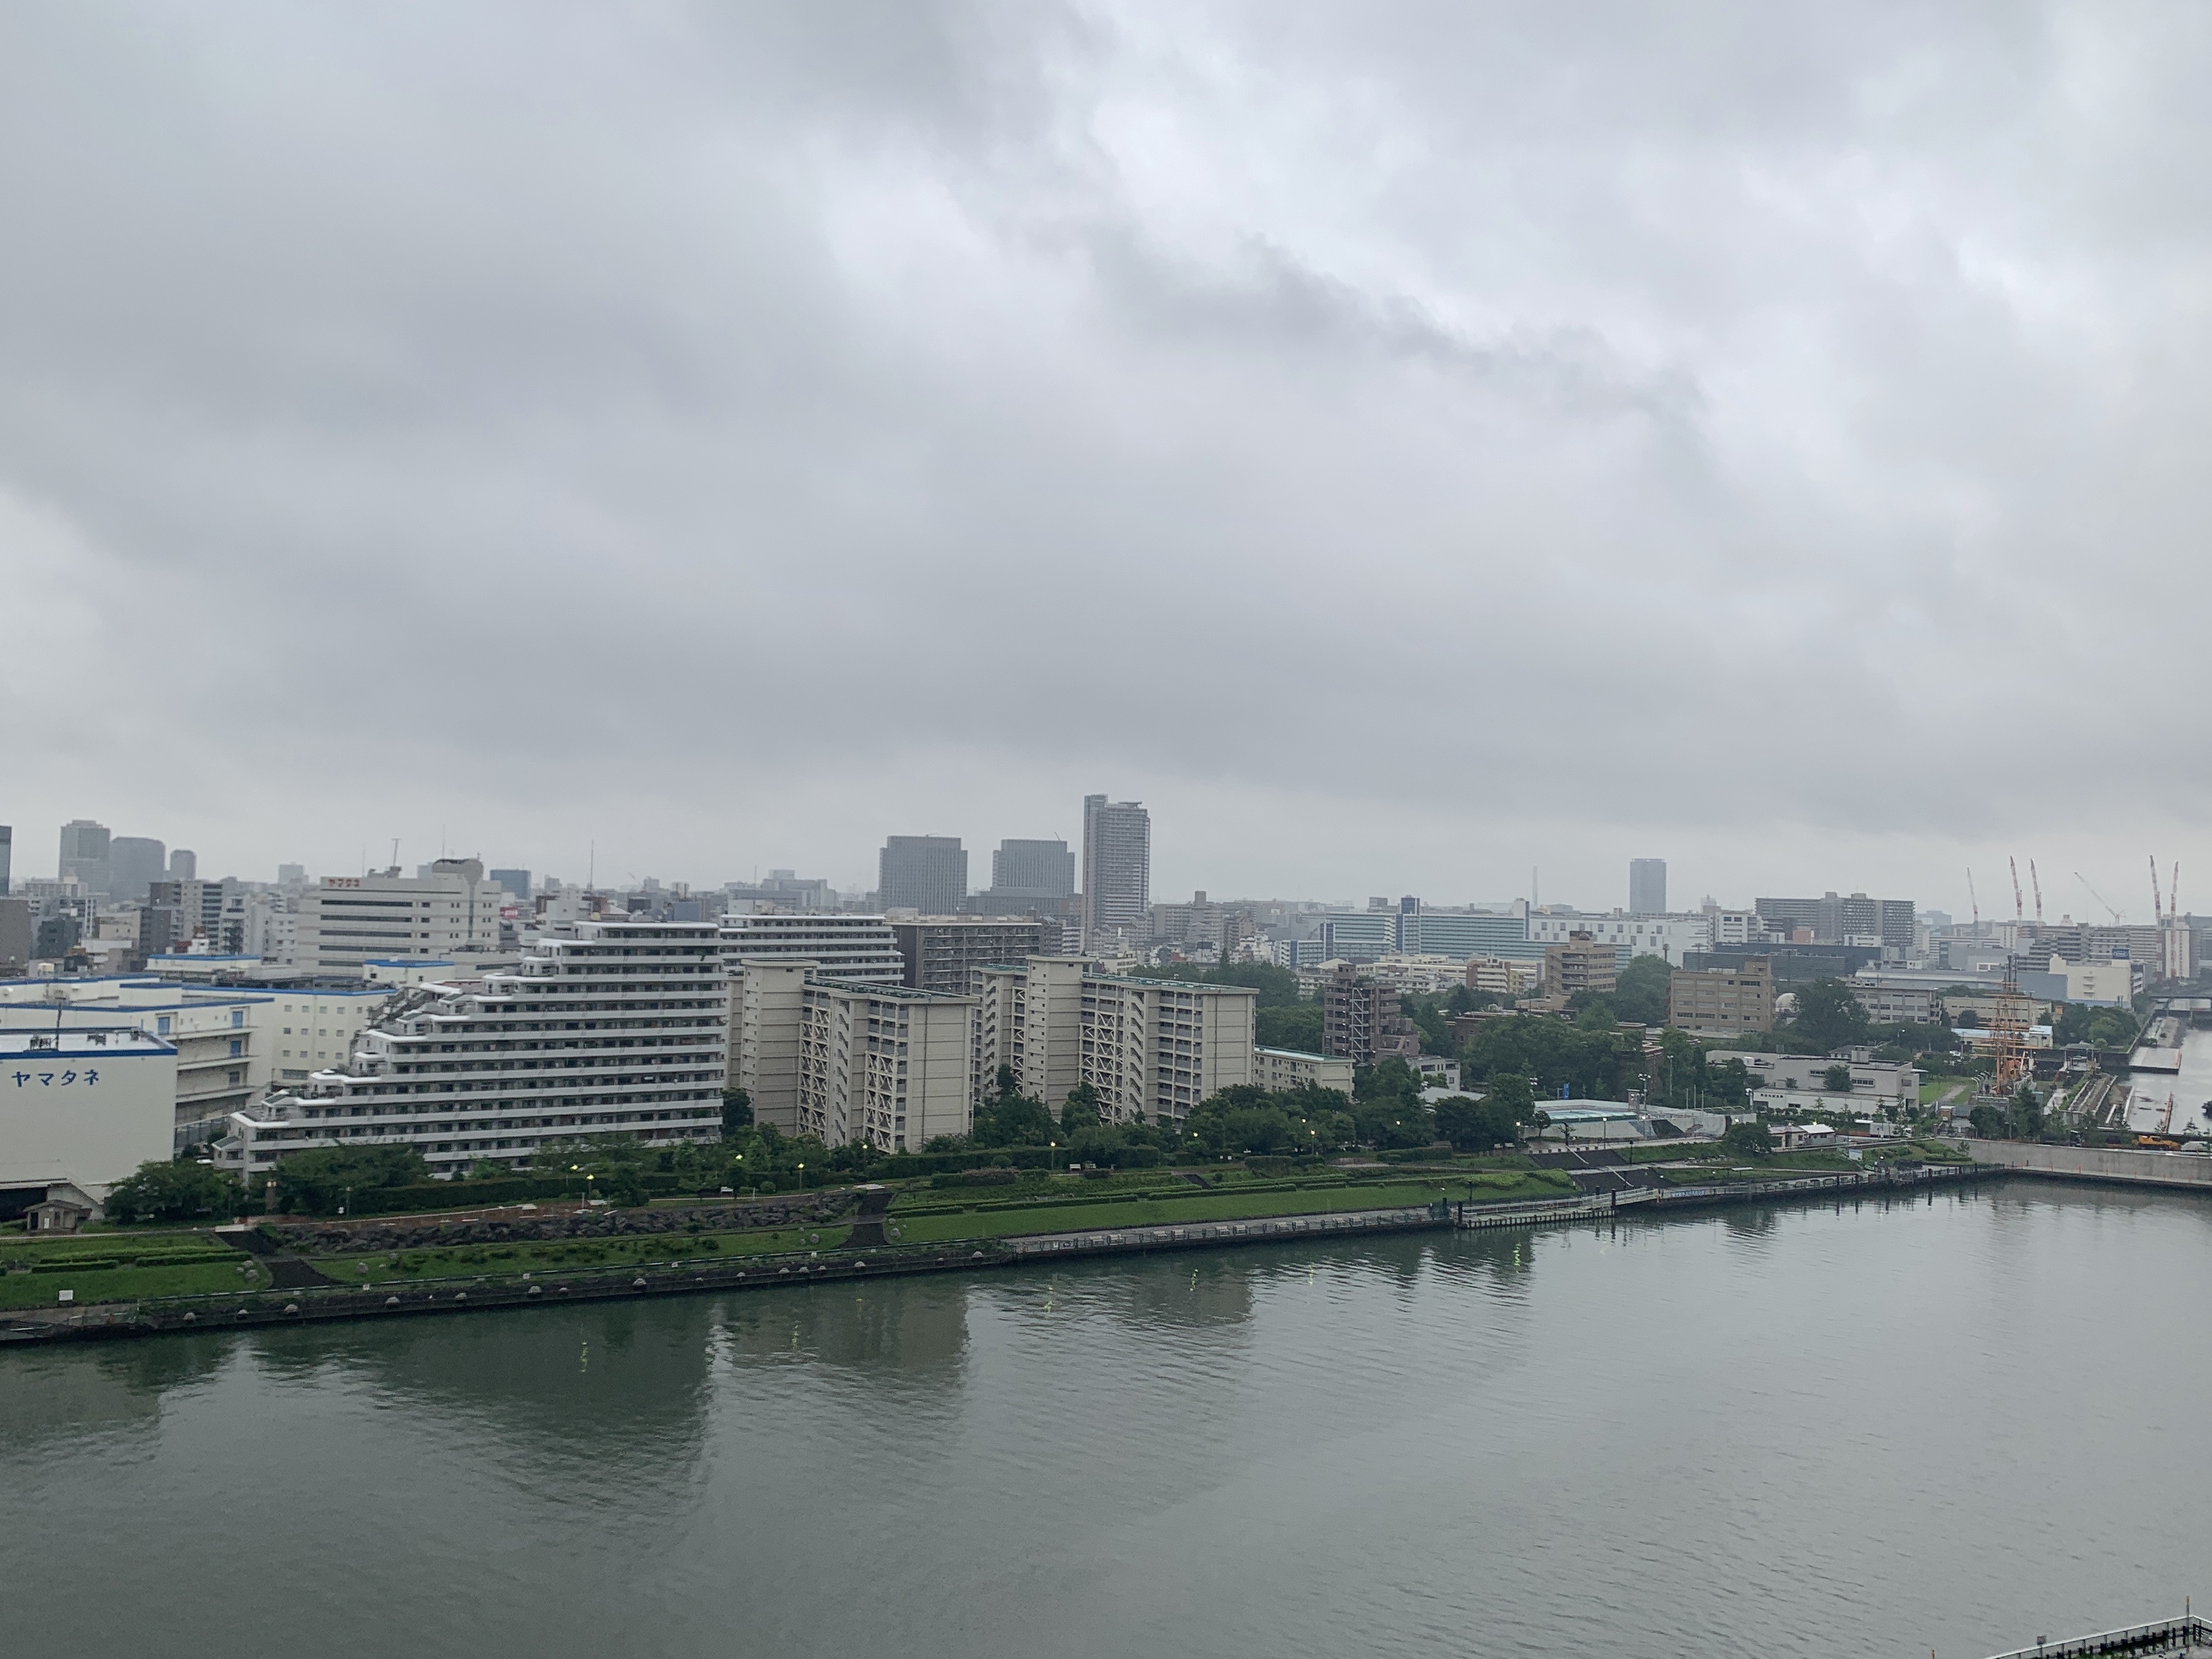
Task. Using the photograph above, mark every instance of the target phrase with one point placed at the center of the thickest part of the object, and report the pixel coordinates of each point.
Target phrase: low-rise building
(1581, 963)
(1502, 977)
(1668, 937)
(1276, 1069)
(80, 1107)
(1722, 1001)
(1419, 975)
(1806, 1076)
(452, 912)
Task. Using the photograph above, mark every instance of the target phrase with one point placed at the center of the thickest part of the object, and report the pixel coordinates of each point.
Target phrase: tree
(1989, 1122)
(1746, 1141)
(317, 1182)
(174, 1192)
(1429, 1020)
(1639, 996)
(2026, 1113)
(737, 1111)
(1837, 1079)
(1080, 1109)
(1014, 1120)
(1829, 1017)
(1478, 1126)
(1297, 1027)
(1511, 1092)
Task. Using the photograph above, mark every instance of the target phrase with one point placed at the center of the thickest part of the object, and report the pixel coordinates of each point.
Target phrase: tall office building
(134, 863)
(1117, 863)
(7, 856)
(184, 863)
(84, 854)
(1647, 887)
(928, 873)
(1046, 868)
(516, 882)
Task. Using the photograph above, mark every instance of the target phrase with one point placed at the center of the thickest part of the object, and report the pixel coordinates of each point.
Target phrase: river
(1954, 1422)
(2189, 1090)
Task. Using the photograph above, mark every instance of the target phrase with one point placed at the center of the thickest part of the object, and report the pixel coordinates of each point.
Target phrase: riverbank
(324, 1299)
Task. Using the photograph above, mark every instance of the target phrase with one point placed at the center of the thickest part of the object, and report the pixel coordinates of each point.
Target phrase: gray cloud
(1402, 443)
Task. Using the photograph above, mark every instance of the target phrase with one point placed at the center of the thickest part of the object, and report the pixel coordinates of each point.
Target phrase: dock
(2174, 1636)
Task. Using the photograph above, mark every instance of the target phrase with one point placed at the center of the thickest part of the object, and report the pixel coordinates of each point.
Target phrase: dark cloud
(1403, 443)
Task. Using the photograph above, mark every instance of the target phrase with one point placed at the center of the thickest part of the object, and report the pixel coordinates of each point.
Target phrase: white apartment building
(616, 1029)
(1668, 937)
(1500, 978)
(845, 947)
(1288, 1068)
(1151, 1049)
(883, 1065)
(350, 920)
(1421, 975)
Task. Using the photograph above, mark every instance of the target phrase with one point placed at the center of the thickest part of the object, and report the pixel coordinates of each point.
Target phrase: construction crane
(2157, 899)
(2019, 904)
(2036, 881)
(2173, 895)
(1972, 900)
(2097, 895)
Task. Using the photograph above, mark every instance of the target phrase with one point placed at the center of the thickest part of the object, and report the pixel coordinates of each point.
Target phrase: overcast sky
(1400, 444)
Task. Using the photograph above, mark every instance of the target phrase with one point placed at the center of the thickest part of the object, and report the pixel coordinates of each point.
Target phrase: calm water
(1957, 1424)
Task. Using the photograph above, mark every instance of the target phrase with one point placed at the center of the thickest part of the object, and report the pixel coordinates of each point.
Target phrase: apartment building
(1030, 1017)
(1152, 1048)
(941, 953)
(1578, 963)
(1501, 977)
(616, 1028)
(853, 947)
(882, 1064)
(766, 995)
(1288, 1068)
(1117, 865)
(1722, 1001)
(1853, 919)
(452, 913)
(1361, 1021)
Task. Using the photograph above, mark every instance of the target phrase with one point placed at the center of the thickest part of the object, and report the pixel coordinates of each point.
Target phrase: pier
(2175, 1636)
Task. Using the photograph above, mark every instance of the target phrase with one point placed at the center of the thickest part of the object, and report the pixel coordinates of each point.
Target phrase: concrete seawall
(2118, 1165)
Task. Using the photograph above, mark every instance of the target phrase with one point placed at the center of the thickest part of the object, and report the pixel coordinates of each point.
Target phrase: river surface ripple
(1957, 1422)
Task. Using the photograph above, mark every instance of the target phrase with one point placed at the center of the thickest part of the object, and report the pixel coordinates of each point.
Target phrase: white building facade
(617, 1030)
(451, 914)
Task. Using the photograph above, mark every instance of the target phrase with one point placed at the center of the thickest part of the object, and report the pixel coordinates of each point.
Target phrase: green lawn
(1493, 1186)
(122, 1284)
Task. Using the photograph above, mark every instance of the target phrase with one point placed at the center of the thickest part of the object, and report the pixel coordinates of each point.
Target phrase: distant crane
(2173, 895)
(2157, 900)
(2097, 895)
(1972, 900)
(2036, 881)
(2019, 904)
